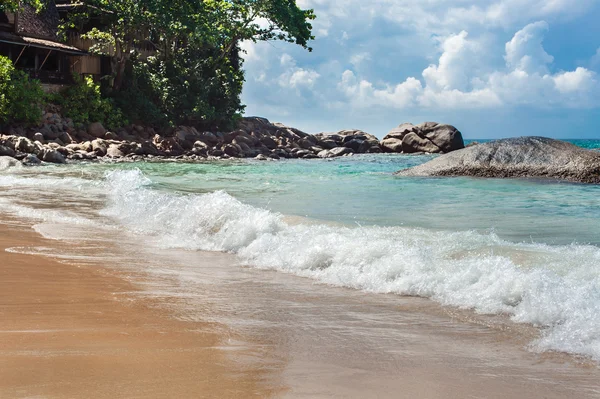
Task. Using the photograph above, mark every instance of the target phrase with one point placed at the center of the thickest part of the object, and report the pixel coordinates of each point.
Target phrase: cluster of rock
(522, 157)
(58, 140)
(429, 137)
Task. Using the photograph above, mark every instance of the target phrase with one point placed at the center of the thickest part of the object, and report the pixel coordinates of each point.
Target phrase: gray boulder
(524, 157)
(446, 137)
(99, 147)
(31, 159)
(430, 137)
(8, 162)
(53, 156)
(39, 137)
(400, 131)
(96, 130)
(25, 145)
(412, 142)
(391, 144)
(6, 151)
(335, 152)
(357, 140)
(113, 151)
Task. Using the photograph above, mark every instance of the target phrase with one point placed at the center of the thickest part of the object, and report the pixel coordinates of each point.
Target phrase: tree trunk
(121, 64)
(120, 74)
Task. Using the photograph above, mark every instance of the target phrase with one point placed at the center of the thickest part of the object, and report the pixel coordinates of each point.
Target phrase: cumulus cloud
(451, 83)
(525, 51)
(295, 77)
(579, 80)
(442, 58)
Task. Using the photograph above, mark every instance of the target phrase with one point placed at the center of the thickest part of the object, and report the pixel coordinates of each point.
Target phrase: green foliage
(139, 100)
(21, 98)
(84, 103)
(6, 71)
(14, 5)
(193, 92)
(194, 75)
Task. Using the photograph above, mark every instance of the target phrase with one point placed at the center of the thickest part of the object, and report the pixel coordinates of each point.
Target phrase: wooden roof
(41, 25)
(11, 38)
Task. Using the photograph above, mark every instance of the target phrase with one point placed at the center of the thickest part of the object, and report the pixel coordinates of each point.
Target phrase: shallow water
(523, 248)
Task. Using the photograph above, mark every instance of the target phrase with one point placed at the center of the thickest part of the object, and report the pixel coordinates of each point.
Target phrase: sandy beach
(71, 332)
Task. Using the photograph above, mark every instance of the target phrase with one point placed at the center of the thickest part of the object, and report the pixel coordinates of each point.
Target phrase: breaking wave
(556, 288)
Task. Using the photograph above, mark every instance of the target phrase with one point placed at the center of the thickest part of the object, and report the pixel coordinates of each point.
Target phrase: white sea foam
(554, 287)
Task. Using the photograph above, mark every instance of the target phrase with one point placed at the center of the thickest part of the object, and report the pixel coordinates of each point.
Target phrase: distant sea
(528, 249)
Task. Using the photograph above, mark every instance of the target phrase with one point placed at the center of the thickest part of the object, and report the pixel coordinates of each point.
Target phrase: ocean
(526, 250)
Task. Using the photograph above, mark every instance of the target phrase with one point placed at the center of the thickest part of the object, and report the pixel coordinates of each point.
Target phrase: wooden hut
(30, 40)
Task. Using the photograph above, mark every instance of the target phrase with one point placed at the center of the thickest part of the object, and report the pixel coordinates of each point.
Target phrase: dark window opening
(52, 63)
(27, 59)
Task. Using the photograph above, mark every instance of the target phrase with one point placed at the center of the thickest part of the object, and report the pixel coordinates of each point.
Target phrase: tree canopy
(193, 73)
(178, 60)
(13, 5)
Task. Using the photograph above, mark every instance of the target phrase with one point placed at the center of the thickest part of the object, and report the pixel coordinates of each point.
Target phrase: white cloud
(579, 80)
(412, 58)
(525, 51)
(295, 77)
(444, 16)
(362, 93)
(452, 82)
(359, 58)
(451, 72)
(300, 78)
(287, 60)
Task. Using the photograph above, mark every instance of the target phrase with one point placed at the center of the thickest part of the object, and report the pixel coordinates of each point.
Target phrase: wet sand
(74, 332)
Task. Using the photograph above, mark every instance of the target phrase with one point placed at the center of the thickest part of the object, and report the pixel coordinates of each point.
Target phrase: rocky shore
(58, 140)
(521, 157)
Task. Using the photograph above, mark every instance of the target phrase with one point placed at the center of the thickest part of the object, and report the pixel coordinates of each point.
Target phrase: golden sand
(74, 332)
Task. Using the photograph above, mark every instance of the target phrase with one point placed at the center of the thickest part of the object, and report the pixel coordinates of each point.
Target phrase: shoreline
(268, 333)
(57, 141)
(73, 331)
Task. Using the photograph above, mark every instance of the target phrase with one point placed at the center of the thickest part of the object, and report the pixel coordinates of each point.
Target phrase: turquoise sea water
(526, 248)
(362, 191)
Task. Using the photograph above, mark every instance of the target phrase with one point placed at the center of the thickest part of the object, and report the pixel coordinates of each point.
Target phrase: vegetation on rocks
(83, 102)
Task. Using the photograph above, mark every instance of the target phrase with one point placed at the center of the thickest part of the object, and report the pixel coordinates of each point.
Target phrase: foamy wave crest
(554, 287)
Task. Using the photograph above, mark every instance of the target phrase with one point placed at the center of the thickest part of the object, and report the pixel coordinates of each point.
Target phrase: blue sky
(495, 68)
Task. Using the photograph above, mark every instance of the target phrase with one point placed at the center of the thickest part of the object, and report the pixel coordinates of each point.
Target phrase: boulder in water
(8, 162)
(430, 137)
(524, 157)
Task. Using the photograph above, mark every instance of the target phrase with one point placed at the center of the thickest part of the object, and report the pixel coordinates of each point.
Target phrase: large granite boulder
(525, 157)
(429, 137)
(412, 142)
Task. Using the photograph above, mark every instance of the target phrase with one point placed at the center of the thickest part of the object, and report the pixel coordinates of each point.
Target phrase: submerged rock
(526, 157)
(335, 152)
(8, 162)
(31, 159)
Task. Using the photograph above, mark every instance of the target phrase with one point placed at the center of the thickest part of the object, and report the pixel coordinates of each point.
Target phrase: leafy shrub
(84, 103)
(138, 101)
(21, 98)
(190, 88)
(6, 70)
